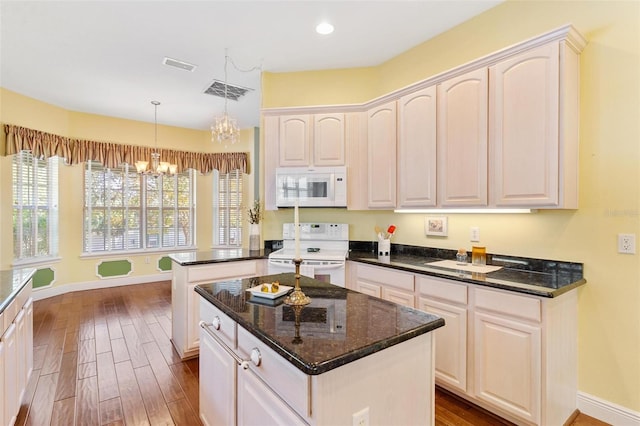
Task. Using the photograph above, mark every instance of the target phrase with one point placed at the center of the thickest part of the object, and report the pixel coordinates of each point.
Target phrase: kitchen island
(336, 361)
(196, 267)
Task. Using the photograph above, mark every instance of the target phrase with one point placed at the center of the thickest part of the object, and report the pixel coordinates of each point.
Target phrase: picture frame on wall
(435, 226)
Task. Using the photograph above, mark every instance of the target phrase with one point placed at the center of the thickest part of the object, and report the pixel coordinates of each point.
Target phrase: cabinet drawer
(387, 277)
(221, 271)
(287, 381)
(441, 289)
(227, 330)
(509, 304)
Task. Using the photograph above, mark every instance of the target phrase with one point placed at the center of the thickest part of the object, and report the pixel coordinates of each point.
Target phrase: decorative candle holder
(297, 297)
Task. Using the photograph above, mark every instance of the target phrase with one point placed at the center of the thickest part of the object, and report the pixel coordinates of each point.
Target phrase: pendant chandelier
(224, 128)
(158, 168)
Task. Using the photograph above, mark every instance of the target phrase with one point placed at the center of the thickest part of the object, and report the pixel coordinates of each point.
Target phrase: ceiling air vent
(233, 92)
(178, 64)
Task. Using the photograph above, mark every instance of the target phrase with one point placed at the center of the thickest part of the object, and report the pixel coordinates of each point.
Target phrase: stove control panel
(317, 231)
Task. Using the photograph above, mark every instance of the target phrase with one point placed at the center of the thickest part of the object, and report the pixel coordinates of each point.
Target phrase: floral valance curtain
(74, 151)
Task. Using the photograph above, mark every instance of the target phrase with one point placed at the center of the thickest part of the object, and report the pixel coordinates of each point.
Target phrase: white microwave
(311, 186)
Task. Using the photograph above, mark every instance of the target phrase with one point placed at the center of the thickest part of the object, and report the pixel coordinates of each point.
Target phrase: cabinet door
(295, 139)
(10, 391)
(462, 140)
(417, 149)
(328, 140)
(28, 307)
(507, 365)
(381, 138)
(2, 364)
(451, 342)
(21, 350)
(217, 384)
(258, 405)
(193, 318)
(524, 128)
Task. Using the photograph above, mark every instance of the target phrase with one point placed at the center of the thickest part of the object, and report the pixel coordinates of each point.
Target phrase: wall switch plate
(474, 235)
(627, 243)
(361, 418)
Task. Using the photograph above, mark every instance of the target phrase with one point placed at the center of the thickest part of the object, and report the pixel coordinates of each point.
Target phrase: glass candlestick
(297, 297)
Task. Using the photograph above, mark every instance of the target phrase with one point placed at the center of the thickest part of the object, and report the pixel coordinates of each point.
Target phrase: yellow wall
(609, 305)
(23, 111)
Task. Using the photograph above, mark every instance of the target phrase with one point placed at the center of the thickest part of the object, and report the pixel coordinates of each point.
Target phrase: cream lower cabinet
(449, 301)
(510, 353)
(394, 286)
(185, 302)
(507, 364)
(16, 353)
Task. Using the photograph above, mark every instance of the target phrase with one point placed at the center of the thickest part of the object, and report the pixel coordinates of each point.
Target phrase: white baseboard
(607, 411)
(46, 292)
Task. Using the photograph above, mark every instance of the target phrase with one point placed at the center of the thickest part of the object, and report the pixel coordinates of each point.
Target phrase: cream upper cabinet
(381, 138)
(417, 149)
(462, 140)
(295, 140)
(312, 140)
(533, 128)
(329, 139)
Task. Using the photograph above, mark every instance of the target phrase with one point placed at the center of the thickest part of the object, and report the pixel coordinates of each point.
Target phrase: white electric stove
(323, 250)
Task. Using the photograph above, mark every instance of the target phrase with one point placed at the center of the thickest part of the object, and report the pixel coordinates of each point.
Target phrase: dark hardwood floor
(103, 357)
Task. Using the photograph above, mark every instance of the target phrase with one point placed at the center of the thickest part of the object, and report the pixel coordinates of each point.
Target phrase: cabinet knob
(256, 357)
(216, 323)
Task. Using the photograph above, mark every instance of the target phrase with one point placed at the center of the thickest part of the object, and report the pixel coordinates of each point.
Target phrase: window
(227, 208)
(126, 211)
(35, 207)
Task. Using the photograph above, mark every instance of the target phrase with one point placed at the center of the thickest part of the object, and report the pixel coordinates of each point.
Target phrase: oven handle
(315, 267)
(324, 267)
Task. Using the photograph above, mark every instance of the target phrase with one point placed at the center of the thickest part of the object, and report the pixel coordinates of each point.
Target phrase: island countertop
(11, 282)
(367, 324)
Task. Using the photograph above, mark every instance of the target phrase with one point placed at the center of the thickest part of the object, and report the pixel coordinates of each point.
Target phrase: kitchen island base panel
(396, 385)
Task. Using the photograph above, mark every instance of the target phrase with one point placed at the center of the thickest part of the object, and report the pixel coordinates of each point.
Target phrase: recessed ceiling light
(324, 28)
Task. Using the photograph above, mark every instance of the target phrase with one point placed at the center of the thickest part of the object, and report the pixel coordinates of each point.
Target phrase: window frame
(219, 180)
(142, 213)
(20, 161)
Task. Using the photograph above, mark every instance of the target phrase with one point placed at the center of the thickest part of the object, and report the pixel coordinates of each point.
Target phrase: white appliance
(323, 250)
(311, 186)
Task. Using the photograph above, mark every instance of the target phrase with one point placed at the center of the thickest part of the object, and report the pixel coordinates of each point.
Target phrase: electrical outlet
(627, 243)
(361, 418)
(474, 235)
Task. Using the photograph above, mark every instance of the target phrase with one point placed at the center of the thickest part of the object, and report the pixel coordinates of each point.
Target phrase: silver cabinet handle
(216, 323)
(256, 358)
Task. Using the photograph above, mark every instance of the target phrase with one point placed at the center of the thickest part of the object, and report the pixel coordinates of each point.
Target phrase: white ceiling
(105, 57)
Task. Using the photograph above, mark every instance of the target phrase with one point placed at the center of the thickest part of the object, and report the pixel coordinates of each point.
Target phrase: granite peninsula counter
(349, 352)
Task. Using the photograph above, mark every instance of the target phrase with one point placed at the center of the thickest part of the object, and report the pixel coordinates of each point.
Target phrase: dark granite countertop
(204, 257)
(11, 282)
(362, 324)
(544, 278)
